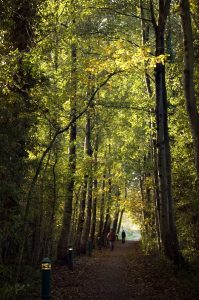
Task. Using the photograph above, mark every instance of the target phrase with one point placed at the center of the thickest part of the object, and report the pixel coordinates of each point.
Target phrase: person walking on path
(111, 239)
(123, 236)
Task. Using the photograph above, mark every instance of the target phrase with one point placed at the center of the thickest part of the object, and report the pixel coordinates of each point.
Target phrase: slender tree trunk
(87, 224)
(115, 220)
(66, 226)
(107, 222)
(101, 221)
(81, 218)
(75, 215)
(143, 203)
(94, 210)
(153, 145)
(168, 227)
(88, 153)
(116, 214)
(189, 90)
(95, 186)
(52, 214)
(120, 221)
(39, 241)
(157, 196)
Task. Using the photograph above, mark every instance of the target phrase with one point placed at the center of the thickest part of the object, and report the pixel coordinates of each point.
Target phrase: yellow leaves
(31, 155)
(157, 60)
(194, 6)
(117, 55)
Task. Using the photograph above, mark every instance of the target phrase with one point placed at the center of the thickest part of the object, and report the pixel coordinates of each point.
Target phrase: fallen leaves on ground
(125, 273)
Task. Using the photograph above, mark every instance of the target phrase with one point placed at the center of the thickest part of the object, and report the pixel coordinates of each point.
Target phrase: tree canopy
(99, 115)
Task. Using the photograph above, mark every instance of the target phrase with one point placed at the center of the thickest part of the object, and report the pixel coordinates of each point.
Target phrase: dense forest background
(98, 115)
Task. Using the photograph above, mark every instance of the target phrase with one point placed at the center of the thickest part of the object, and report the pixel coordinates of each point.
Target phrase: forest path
(122, 274)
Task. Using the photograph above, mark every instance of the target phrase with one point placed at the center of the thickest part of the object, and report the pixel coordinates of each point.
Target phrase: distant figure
(123, 236)
(111, 239)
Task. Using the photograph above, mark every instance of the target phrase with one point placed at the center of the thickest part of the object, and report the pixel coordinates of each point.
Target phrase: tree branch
(48, 148)
(125, 107)
(153, 20)
(62, 130)
(124, 14)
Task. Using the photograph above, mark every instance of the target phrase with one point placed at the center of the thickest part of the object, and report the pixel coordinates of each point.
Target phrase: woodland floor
(125, 273)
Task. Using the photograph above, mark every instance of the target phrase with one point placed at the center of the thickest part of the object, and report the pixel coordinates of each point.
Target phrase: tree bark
(120, 221)
(189, 90)
(168, 226)
(81, 217)
(95, 186)
(157, 195)
(94, 210)
(107, 222)
(115, 220)
(65, 231)
(88, 155)
(39, 244)
(53, 209)
(87, 223)
(102, 204)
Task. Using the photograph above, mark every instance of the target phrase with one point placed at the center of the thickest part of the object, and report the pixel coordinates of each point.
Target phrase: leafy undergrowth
(125, 273)
(26, 289)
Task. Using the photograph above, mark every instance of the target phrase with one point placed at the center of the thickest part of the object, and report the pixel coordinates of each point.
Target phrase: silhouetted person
(111, 239)
(123, 236)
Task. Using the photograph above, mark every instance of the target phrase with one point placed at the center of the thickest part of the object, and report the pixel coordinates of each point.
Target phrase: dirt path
(123, 274)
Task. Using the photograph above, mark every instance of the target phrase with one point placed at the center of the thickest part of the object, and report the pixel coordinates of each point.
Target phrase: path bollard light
(46, 278)
(90, 247)
(70, 258)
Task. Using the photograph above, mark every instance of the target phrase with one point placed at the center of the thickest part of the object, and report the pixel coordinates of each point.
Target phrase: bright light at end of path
(132, 230)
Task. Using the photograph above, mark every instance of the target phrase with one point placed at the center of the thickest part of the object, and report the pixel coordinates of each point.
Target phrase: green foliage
(31, 283)
(36, 94)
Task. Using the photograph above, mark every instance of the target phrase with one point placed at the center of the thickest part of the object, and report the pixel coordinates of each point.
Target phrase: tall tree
(168, 226)
(19, 111)
(89, 153)
(66, 226)
(189, 90)
(95, 186)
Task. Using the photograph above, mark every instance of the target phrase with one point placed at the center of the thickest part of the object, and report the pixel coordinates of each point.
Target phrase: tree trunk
(94, 210)
(81, 218)
(101, 221)
(141, 180)
(153, 145)
(168, 227)
(76, 210)
(156, 195)
(95, 186)
(189, 90)
(120, 221)
(87, 224)
(107, 222)
(88, 153)
(52, 213)
(115, 220)
(65, 231)
(38, 246)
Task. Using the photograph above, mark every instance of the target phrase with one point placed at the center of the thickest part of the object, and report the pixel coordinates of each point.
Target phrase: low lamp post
(90, 247)
(70, 258)
(46, 278)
